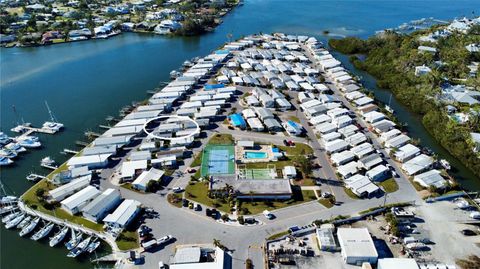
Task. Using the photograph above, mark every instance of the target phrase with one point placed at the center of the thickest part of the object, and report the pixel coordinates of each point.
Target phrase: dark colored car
(468, 232)
(185, 202)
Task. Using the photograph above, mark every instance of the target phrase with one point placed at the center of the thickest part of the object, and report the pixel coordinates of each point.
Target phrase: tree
(40, 192)
(225, 217)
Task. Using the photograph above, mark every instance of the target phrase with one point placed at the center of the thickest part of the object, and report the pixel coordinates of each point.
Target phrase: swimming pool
(255, 155)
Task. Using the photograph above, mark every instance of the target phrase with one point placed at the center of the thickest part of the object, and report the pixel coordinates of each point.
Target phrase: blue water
(84, 82)
(255, 155)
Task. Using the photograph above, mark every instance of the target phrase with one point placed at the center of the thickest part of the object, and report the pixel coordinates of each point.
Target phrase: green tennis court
(256, 173)
(218, 159)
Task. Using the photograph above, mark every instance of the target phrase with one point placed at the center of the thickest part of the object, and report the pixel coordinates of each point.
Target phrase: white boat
(4, 139)
(43, 232)
(462, 204)
(29, 228)
(445, 164)
(8, 199)
(387, 107)
(80, 248)
(53, 124)
(10, 216)
(29, 142)
(14, 222)
(24, 222)
(74, 240)
(7, 209)
(15, 147)
(93, 245)
(57, 238)
(4, 161)
(415, 246)
(47, 161)
(8, 153)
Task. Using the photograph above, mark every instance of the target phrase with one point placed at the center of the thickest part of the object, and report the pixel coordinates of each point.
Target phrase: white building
(91, 161)
(361, 186)
(124, 214)
(130, 168)
(417, 165)
(199, 257)
(431, 178)
(103, 204)
(145, 177)
(289, 172)
(63, 191)
(77, 201)
(397, 263)
(357, 246)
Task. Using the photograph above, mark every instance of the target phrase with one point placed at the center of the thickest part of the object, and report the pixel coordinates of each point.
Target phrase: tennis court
(266, 173)
(218, 159)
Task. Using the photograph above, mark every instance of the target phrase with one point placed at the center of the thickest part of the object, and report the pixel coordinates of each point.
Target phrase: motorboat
(15, 147)
(80, 248)
(4, 161)
(93, 245)
(29, 228)
(14, 222)
(10, 216)
(24, 222)
(43, 232)
(4, 139)
(57, 238)
(33, 177)
(74, 240)
(445, 164)
(8, 199)
(29, 142)
(7, 209)
(8, 153)
(47, 161)
(462, 204)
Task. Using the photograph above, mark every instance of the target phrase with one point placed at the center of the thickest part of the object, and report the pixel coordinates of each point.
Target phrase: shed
(77, 201)
(357, 246)
(141, 183)
(124, 214)
(103, 204)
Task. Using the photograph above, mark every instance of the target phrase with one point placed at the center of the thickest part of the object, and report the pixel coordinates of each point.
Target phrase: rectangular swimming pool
(255, 155)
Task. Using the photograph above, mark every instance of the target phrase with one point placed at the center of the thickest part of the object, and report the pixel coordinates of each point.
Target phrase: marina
(138, 76)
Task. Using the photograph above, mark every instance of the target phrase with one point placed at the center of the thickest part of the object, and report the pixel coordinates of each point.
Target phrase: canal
(85, 82)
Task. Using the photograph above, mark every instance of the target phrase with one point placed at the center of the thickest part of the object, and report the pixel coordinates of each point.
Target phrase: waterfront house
(91, 161)
(397, 141)
(431, 178)
(417, 165)
(406, 153)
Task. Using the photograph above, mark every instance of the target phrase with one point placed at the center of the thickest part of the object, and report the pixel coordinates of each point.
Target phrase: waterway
(85, 82)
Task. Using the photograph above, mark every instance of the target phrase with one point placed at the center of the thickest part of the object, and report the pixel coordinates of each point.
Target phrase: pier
(31, 130)
(51, 167)
(70, 151)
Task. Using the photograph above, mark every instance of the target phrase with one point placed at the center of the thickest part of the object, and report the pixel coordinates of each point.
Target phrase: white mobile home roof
(63, 191)
(348, 169)
(150, 107)
(397, 141)
(326, 128)
(373, 116)
(248, 113)
(116, 140)
(110, 149)
(356, 139)
(143, 115)
(310, 103)
(390, 134)
(417, 164)
(123, 213)
(362, 149)
(360, 185)
(255, 123)
(90, 160)
(330, 137)
(129, 167)
(431, 178)
(377, 170)
(147, 176)
(140, 155)
(320, 119)
(124, 123)
(348, 130)
(75, 202)
(354, 95)
(122, 131)
(370, 161)
(363, 101)
(342, 157)
(406, 152)
(337, 112)
(106, 199)
(336, 146)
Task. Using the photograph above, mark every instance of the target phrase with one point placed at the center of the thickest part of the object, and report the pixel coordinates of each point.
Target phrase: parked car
(197, 207)
(185, 202)
(165, 239)
(191, 170)
(293, 229)
(268, 214)
(190, 205)
(177, 189)
(214, 213)
(161, 265)
(468, 232)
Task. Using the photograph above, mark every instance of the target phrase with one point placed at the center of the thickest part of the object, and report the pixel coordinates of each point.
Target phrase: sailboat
(80, 248)
(74, 240)
(387, 107)
(43, 232)
(53, 124)
(29, 228)
(57, 238)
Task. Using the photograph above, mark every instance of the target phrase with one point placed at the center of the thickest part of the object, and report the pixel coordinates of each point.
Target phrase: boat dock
(51, 167)
(105, 127)
(70, 151)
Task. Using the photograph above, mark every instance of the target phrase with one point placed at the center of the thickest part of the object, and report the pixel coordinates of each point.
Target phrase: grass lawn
(222, 139)
(389, 185)
(175, 199)
(299, 149)
(198, 160)
(294, 118)
(198, 192)
(325, 202)
(257, 207)
(129, 186)
(350, 193)
(127, 240)
(277, 235)
(304, 182)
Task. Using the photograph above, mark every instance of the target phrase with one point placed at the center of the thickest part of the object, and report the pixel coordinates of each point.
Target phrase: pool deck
(240, 154)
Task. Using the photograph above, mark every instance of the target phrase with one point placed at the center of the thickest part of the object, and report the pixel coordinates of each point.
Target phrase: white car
(267, 214)
(165, 239)
(177, 189)
(475, 215)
